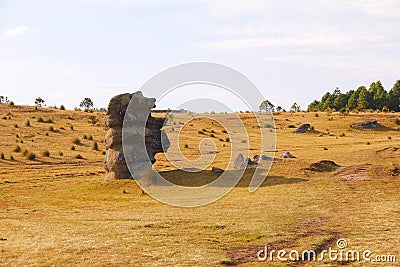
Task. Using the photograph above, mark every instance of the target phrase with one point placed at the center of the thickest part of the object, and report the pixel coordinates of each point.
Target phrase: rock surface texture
(114, 161)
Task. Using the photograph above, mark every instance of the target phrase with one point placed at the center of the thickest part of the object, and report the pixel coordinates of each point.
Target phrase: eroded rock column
(114, 161)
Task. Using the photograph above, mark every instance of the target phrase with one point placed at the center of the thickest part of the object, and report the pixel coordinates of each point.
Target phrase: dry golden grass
(56, 210)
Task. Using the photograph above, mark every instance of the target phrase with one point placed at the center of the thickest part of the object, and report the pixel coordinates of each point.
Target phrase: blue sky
(294, 51)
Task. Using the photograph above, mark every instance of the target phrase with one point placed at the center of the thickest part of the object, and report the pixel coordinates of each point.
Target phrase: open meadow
(56, 210)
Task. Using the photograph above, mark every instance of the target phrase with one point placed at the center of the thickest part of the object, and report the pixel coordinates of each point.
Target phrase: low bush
(95, 146)
(76, 141)
(31, 156)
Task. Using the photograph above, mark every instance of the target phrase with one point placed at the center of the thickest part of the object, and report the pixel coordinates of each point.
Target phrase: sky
(294, 51)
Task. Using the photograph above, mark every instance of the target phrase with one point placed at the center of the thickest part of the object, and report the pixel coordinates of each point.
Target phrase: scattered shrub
(46, 134)
(244, 142)
(11, 157)
(61, 153)
(291, 126)
(93, 119)
(95, 146)
(46, 153)
(15, 125)
(2, 155)
(17, 135)
(397, 121)
(103, 152)
(62, 107)
(90, 138)
(85, 136)
(224, 131)
(31, 156)
(76, 141)
(389, 137)
(17, 149)
(71, 127)
(212, 135)
(78, 156)
(40, 119)
(27, 123)
(368, 143)
(25, 152)
(51, 129)
(221, 139)
(186, 146)
(72, 147)
(325, 148)
(201, 132)
(227, 139)
(316, 115)
(49, 120)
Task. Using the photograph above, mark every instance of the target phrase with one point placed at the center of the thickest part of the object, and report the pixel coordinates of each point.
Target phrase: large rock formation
(373, 124)
(303, 128)
(114, 161)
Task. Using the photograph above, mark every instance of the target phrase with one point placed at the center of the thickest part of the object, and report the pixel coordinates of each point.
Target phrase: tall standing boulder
(114, 161)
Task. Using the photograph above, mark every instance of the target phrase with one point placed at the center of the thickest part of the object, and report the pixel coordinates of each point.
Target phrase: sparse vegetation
(95, 146)
(46, 153)
(31, 156)
(2, 155)
(93, 119)
(31, 187)
(27, 123)
(25, 152)
(76, 141)
(17, 149)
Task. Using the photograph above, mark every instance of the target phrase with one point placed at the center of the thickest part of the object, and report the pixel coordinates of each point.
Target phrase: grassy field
(55, 209)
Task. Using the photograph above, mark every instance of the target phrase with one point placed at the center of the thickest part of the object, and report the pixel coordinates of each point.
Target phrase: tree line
(373, 98)
(86, 103)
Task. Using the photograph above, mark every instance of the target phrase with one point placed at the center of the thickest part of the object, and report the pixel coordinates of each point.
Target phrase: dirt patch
(355, 173)
(389, 153)
(308, 227)
(323, 166)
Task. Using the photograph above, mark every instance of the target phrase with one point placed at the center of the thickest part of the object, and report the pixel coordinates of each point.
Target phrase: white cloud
(227, 8)
(19, 30)
(246, 43)
(381, 8)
